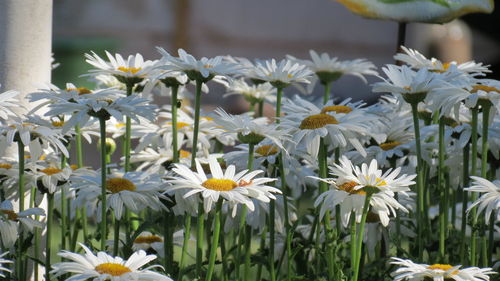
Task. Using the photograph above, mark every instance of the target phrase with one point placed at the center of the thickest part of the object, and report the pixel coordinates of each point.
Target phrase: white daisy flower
(352, 184)
(8, 101)
(251, 130)
(135, 190)
(235, 188)
(105, 267)
(411, 271)
(2, 262)
(412, 85)
(329, 69)
(490, 197)
(117, 106)
(341, 125)
(283, 73)
(418, 61)
(51, 177)
(11, 223)
(133, 70)
(204, 69)
(35, 137)
(252, 93)
(485, 91)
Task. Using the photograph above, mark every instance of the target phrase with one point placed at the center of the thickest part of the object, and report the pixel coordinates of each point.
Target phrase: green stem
(225, 268)
(289, 234)
(197, 105)
(326, 95)
(261, 109)
(64, 231)
(272, 210)
(200, 226)
(168, 241)
(48, 237)
(484, 139)
(463, 244)
(79, 152)
(116, 238)
(360, 232)
(104, 219)
(323, 187)
(251, 108)
(19, 258)
(473, 238)
(442, 190)
(215, 239)
(248, 230)
(279, 95)
(185, 245)
(420, 186)
(175, 147)
(491, 237)
(258, 277)
(128, 131)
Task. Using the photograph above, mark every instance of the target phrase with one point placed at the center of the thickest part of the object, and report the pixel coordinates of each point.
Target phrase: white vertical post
(25, 57)
(25, 45)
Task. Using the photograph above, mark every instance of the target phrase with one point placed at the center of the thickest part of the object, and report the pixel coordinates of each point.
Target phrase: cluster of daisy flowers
(326, 189)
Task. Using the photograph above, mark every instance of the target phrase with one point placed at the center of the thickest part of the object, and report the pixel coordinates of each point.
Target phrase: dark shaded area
(488, 25)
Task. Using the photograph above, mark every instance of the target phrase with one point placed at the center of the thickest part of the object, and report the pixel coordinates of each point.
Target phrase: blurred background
(256, 29)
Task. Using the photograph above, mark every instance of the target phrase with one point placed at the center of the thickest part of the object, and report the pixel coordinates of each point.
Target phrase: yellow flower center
(113, 269)
(184, 153)
(219, 184)
(5, 166)
(317, 121)
(11, 215)
(116, 185)
(57, 124)
(120, 125)
(207, 118)
(289, 76)
(443, 267)
(266, 150)
(389, 145)
(337, 109)
(51, 171)
(149, 239)
(179, 124)
(408, 88)
(446, 65)
(73, 167)
(484, 88)
(349, 188)
(131, 70)
(81, 90)
(208, 66)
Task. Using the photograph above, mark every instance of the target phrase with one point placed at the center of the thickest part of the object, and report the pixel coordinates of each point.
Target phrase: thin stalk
(79, 151)
(215, 239)
(353, 240)
(248, 230)
(64, 231)
(185, 244)
(225, 268)
(474, 112)
(48, 235)
(420, 186)
(116, 238)
(484, 175)
(261, 109)
(251, 108)
(168, 241)
(279, 95)
(128, 131)
(326, 94)
(19, 258)
(200, 226)
(258, 276)
(286, 219)
(360, 234)
(36, 243)
(201, 214)
(175, 147)
(104, 219)
(272, 210)
(491, 237)
(442, 190)
(323, 187)
(464, 204)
